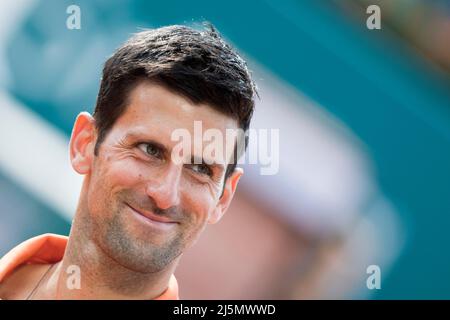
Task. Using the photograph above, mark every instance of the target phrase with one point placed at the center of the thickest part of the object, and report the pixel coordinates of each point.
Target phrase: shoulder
(21, 282)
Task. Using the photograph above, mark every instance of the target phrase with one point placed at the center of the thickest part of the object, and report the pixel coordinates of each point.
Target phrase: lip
(153, 218)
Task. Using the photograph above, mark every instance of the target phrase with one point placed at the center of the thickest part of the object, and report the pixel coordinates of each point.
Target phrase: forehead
(157, 109)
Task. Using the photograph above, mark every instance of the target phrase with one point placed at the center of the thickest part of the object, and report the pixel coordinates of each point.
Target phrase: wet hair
(197, 64)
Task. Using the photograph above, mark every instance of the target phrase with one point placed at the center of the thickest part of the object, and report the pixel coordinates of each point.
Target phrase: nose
(163, 187)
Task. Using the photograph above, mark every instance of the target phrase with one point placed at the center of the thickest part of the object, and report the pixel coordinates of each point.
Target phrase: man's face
(145, 209)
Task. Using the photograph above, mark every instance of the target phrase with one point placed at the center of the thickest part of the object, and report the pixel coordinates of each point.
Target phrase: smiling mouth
(159, 221)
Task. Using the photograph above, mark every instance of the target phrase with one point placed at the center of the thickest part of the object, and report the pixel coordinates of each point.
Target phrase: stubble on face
(139, 249)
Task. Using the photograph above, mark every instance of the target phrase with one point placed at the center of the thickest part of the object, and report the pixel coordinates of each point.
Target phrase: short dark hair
(198, 65)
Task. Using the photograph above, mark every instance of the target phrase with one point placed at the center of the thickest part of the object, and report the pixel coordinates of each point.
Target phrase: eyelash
(145, 149)
(209, 172)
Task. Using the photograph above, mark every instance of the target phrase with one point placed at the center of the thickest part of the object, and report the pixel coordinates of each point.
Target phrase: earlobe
(227, 196)
(81, 143)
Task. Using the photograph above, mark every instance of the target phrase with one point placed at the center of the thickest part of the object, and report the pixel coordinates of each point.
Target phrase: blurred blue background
(385, 91)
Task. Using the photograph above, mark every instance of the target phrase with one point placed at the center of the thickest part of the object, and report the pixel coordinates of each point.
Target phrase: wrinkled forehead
(156, 113)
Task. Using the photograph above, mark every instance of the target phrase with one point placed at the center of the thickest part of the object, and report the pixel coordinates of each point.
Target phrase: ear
(227, 196)
(82, 142)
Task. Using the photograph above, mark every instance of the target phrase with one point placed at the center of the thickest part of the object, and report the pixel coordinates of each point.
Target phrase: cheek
(110, 177)
(125, 173)
(201, 202)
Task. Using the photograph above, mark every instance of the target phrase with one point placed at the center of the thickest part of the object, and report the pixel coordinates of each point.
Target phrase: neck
(87, 272)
